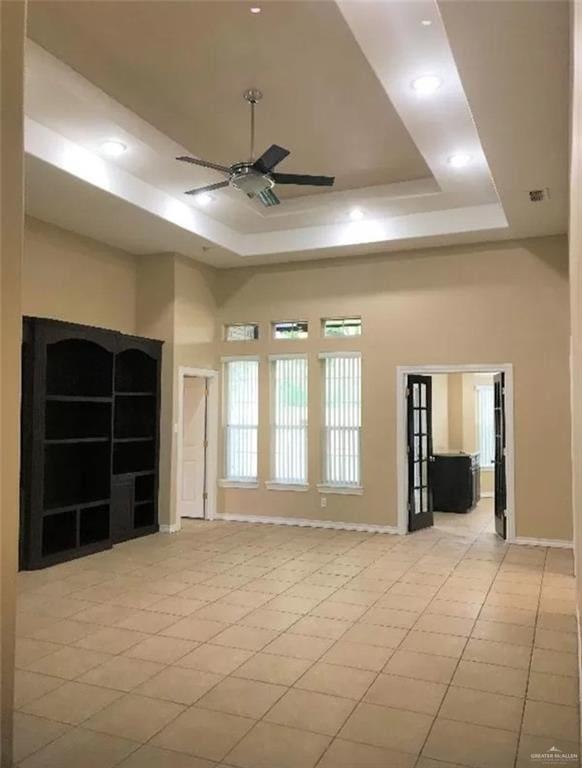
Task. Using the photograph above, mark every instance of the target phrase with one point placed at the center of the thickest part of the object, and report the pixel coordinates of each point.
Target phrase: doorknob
(431, 459)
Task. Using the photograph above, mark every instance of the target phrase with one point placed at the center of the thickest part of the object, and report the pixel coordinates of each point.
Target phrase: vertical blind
(289, 380)
(486, 425)
(242, 419)
(342, 419)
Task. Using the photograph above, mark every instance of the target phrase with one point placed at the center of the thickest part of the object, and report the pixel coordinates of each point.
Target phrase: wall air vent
(539, 195)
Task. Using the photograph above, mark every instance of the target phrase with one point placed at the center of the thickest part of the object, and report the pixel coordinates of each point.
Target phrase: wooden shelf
(146, 439)
(76, 440)
(90, 414)
(77, 505)
(135, 394)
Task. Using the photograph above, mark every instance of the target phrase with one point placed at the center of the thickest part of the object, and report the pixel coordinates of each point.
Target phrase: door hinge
(206, 443)
(204, 495)
(407, 391)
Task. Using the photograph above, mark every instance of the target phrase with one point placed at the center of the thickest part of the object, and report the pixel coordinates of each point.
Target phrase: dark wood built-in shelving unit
(90, 440)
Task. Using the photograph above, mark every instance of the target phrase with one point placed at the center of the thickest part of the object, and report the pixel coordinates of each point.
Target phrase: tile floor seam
(520, 733)
(52, 741)
(450, 683)
(357, 703)
(230, 674)
(316, 661)
(381, 671)
(446, 558)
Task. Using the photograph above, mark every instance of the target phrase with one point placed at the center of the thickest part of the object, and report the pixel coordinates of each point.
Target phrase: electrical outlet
(323, 501)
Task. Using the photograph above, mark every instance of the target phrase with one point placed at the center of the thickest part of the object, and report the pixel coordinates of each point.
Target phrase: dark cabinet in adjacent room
(455, 481)
(90, 440)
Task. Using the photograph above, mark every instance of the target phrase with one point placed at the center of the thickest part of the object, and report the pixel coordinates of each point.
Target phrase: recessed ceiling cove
(363, 92)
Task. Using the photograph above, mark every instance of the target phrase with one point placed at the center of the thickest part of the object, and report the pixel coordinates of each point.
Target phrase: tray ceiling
(167, 78)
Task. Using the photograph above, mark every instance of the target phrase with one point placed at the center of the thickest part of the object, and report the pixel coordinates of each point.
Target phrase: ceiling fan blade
(269, 159)
(299, 178)
(268, 198)
(203, 163)
(207, 188)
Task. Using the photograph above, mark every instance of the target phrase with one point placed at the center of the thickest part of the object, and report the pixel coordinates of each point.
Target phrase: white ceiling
(168, 82)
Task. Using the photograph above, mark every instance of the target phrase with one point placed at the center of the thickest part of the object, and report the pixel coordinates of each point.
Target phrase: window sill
(273, 485)
(238, 484)
(348, 490)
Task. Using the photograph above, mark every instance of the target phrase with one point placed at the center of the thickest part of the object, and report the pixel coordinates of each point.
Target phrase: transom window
(342, 326)
(289, 420)
(293, 329)
(241, 332)
(342, 375)
(241, 418)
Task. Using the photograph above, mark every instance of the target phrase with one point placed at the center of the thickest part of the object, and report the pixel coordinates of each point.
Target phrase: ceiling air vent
(539, 195)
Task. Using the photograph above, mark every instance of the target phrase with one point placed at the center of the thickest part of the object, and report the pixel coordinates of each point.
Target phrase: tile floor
(255, 646)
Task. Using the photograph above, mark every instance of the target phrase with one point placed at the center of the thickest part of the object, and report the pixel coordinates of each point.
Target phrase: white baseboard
(173, 528)
(488, 495)
(307, 523)
(562, 543)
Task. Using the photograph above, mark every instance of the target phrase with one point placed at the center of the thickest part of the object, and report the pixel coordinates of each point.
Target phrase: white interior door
(191, 495)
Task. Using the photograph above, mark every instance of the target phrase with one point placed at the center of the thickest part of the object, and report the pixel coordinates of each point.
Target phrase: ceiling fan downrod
(252, 95)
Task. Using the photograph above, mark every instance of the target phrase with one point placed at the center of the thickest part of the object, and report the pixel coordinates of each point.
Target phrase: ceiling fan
(256, 178)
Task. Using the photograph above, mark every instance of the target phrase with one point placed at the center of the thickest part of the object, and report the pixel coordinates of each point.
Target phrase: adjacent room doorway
(421, 468)
(196, 450)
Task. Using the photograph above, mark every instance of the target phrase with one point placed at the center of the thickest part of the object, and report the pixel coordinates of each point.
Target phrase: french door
(419, 447)
(500, 469)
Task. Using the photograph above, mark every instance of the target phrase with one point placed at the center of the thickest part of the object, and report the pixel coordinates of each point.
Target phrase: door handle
(431, 459)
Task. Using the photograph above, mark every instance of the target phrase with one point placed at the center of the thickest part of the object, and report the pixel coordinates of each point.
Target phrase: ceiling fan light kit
(256, 178)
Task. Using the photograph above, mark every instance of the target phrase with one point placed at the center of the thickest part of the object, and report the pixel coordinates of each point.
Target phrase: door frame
(211, 459)
(402, 373)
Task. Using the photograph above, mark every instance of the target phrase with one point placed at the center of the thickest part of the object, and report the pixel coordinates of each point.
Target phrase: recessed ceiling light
(426, 84)
(113, 148)
(426, 22)
(255, 9)
(356, 214)
(204, 198)
(460, 160)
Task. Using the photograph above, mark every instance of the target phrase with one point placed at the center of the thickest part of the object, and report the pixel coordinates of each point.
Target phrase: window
(296, 329)
(485, 425)
(241, 332)
(342, 326)
(342, 418)
(289, 420)
(241, 418)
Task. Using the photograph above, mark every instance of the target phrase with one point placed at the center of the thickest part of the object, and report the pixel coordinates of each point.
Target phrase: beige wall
(440, 412)
(469, 443)
(12, 26)
(455, 410)
(176, 303)
(489, 303)
(195, 317)
(74, 278)
(162, 296)
(522, 286)
(575, 239)
(155, 319)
